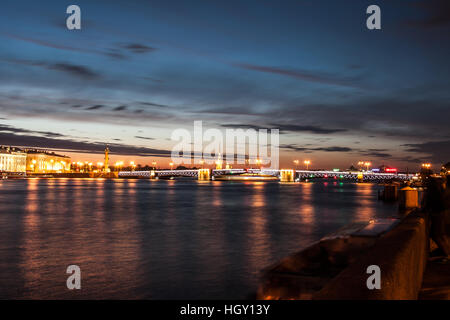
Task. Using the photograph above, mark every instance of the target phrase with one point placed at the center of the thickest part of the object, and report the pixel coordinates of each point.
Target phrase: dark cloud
(397, 116)
(9, 129)
(154, 104)
(120, 108)
(304, 75)
(295, 147)
(377, 154)
(79, 71)
(68, 68)
(138, 48)
(48, 44)
(438, 151)
(305, 128)
(334, 149)
(283, 128)
(97, 106)
(70, 145)
(55, 45)
(242, 126)
(229, 110)
(144, 138)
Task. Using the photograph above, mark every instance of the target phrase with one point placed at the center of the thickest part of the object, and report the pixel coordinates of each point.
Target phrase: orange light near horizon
(426, 165)
(307, 163)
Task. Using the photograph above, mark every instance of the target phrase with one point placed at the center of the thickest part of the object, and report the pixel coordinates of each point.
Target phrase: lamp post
(258, 163)
(367, 164)
(171, 165)
(296, 164)
(307, 163)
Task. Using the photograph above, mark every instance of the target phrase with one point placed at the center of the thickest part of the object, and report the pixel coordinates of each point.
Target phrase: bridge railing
(274, 172)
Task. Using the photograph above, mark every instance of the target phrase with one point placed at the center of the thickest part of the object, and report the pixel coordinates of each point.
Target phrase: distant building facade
(41, 161)
(12, 160)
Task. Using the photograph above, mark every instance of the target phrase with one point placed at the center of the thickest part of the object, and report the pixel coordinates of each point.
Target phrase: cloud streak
(304, 75)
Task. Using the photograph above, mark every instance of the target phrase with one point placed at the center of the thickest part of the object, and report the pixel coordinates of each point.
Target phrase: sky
(137, 70)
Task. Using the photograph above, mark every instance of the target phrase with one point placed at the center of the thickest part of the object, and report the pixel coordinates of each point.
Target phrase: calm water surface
(163, 239)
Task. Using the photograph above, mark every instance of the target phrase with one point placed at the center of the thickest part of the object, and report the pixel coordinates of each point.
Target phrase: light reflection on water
(163, 239)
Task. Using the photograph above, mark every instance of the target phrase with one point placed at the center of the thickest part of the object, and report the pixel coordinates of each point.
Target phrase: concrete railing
(401, 255)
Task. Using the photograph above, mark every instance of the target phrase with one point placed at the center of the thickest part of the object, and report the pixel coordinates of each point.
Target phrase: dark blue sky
(139, 69)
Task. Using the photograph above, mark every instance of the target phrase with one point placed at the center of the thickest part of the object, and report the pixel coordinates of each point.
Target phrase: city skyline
(339, 93)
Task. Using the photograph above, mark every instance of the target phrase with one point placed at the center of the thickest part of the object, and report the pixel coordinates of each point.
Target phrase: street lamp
(133, 166)
(258, 163)
(426, 165)
(154, 164)
(296, 164)
(367, 164)
(171, 165)
(307, 163)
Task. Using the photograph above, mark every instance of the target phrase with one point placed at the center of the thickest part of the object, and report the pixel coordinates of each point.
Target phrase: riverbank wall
(401, 255)
(413, 259)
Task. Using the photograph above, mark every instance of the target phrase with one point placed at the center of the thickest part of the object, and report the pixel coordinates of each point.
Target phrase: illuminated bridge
(301, 174)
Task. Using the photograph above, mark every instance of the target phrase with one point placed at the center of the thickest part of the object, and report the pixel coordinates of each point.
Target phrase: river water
(167, 239)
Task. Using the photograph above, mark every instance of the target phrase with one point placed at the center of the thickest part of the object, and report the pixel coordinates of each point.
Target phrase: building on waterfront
(41, 161)
(12, 160)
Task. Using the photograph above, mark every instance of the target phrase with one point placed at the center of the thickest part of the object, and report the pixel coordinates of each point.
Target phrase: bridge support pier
(287, 175)
(204, 174)
(360, 177)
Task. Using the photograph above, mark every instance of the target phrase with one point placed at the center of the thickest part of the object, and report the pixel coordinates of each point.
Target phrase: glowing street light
(296, 164)
(258, 163)
(171, 165)
(133, 166)
(367, 164)
(118, 165)
(426, 165)
(307, 163)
